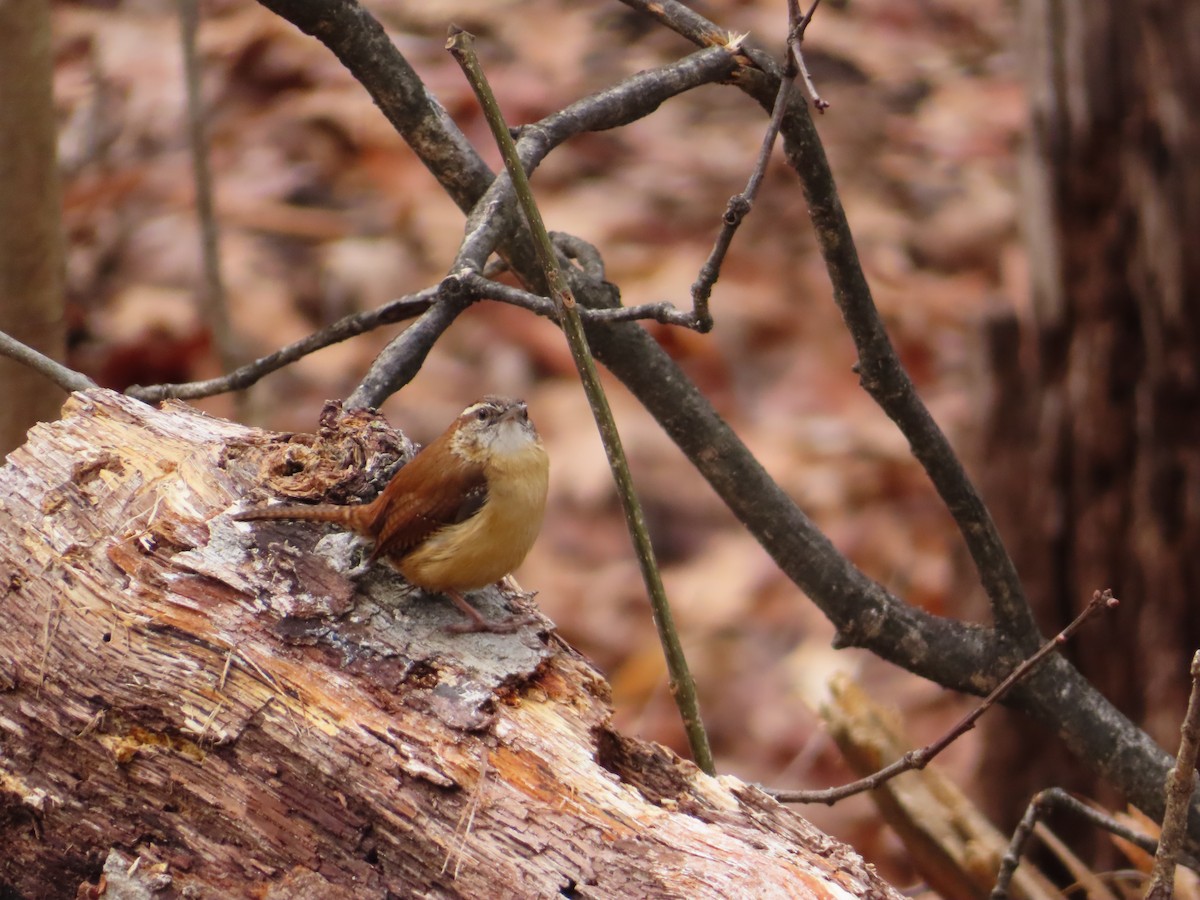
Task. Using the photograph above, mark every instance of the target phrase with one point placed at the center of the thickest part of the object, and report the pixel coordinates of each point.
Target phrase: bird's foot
(492, 626)
(477, 623)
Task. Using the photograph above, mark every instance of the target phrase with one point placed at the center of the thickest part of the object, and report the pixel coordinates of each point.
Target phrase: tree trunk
(31, 301)
(213, 707)
(1094, 446)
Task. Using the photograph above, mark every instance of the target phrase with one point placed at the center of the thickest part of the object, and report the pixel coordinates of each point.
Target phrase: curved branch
(494, 217)
(879, 368)
(885, 379)
(401, 359)
(360, 43)
(486, 289)
(956, 655)
(67, 379)
(343, 329)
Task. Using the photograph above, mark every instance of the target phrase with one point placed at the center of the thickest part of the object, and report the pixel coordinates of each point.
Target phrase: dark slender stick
(797, 27)
(215, 304)
(738, 208)
(1056, 798)
(1036, 809)
(348, 327)
(67, 379)
(683, 688)
(485, 289)
(879, 368)
(920, 758)
(739, 205)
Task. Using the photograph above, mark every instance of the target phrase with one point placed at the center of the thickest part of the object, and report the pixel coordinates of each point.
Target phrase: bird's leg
(479, 623)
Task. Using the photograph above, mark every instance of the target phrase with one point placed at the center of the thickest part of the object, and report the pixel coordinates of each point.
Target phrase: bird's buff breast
(493, 542)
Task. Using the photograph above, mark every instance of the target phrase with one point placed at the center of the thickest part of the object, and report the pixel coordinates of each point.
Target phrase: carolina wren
(461, 514)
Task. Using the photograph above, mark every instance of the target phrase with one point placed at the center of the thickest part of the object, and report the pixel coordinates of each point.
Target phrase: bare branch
(343, 329)
(738, 208)
(920, 758)
(214, 301)
(67, 379)
(632, 99)
(400, 360)
(1056, 798)
(880, 371)
(796, 28)
(494, 218)
(740, 204)
(486, 289)
(958, 655)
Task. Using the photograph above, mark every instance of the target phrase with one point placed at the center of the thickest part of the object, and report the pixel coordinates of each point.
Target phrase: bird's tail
(342, 515)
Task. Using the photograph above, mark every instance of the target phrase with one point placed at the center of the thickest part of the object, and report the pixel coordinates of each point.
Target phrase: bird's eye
(483, 414)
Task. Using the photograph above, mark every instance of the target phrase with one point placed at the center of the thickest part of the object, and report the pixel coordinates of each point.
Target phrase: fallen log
(215, 708)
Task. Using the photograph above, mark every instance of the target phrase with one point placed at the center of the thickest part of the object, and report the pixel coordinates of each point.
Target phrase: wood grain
(224, 707)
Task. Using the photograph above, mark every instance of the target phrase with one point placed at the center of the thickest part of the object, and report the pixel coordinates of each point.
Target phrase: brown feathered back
(434, 489)
(437, 488)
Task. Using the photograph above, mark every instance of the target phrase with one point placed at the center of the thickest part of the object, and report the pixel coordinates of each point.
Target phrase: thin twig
(486, 289)
(796, 29)
(214, 301)
(820, 104)
(739, 205)
(683, 688)
(920, 758)
(879, 368)
(1181, 782)
(408, 307)
(67, 379)
(1039, 807)
(397, 310)
(494, 218)
(738, 208)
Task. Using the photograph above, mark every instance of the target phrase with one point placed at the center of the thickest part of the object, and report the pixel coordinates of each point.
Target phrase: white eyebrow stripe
(475, 407)
(496, 404)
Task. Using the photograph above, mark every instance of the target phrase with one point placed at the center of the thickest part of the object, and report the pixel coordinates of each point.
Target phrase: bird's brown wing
(434, 490)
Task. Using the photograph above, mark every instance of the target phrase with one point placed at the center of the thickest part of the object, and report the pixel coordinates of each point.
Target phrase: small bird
(462, 514)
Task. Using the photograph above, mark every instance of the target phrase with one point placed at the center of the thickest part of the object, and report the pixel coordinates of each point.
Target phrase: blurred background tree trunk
(31, 300)
(1093, 446)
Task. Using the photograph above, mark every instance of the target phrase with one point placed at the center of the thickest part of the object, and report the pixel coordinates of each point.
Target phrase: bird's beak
(513, 413)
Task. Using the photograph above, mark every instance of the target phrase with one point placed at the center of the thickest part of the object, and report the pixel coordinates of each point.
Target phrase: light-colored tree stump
(218, 707)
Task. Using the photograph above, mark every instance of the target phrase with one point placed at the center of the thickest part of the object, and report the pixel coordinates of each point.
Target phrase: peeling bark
(215, 706)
